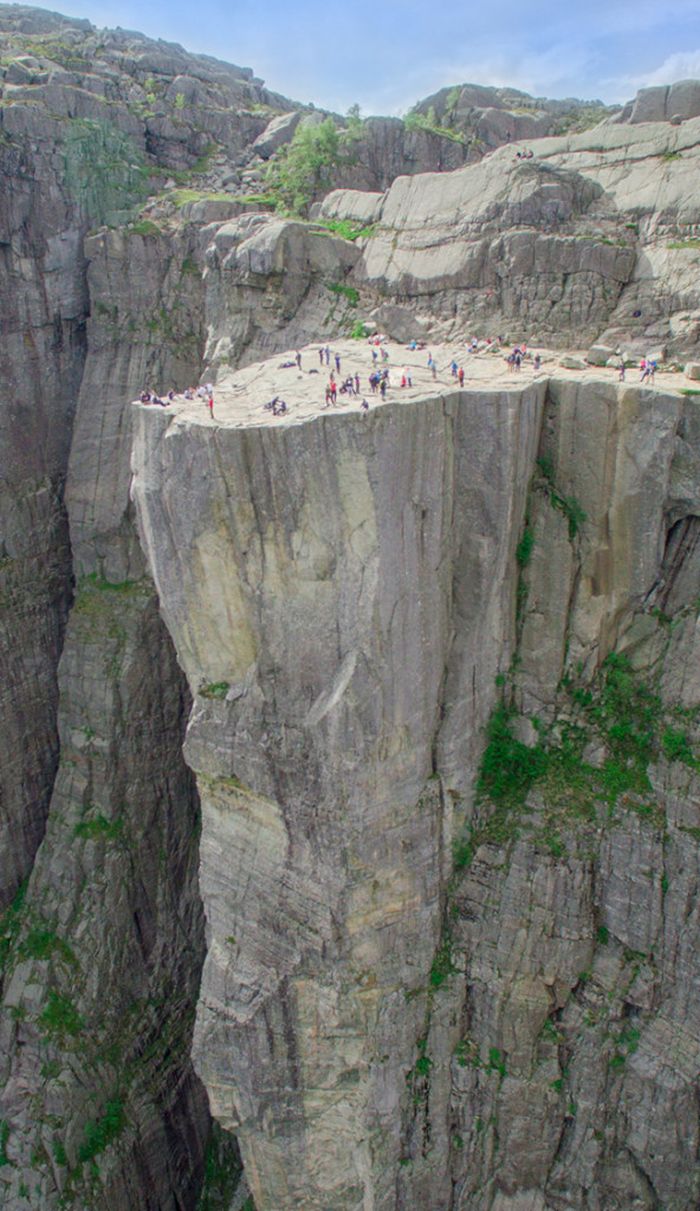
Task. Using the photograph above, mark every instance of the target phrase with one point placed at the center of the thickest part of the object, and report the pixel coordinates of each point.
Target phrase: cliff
(428, 976)
(349, 781)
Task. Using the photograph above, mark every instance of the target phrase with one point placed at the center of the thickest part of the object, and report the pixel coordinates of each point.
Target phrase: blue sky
(388, 54)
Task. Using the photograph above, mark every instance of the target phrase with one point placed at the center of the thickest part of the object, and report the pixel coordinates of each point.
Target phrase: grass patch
(689, 243)
(182, 197)
(144, 227)
(346, 229)
(349, 293)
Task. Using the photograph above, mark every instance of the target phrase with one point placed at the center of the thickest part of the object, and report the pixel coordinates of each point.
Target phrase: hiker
(409, 380)
(453, 368)
(430, 361)
(320, 355)
(337, 362)
(644, 369)
(403, 380)
(385, 355)
(210, 405)
(374, 357)
(364, 405)
(621, 370)
(460, 376)
(536, 362)
(357, 383)
(297, 359)
(327, 353)
(334, 390)
(382, 388)
(328, 397)
(434, 368)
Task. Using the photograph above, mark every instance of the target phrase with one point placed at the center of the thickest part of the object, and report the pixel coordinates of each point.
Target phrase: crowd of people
(379, 379)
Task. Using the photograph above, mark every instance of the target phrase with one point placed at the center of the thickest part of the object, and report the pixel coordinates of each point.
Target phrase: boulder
(277, 132)
(572, 363)
(599, 355)
(399, 323)
(692, 370)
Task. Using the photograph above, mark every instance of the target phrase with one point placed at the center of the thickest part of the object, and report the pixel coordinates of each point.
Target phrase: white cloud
(683, 65)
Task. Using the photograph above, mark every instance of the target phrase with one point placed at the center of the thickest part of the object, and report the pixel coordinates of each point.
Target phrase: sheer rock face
(341, 594)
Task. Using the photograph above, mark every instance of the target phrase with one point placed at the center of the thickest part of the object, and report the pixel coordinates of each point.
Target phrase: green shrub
(60, 1018)
(508, 767)
(302, 168)
(97, 1135)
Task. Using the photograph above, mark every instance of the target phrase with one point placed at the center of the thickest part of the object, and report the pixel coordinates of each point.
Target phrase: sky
(387, 54)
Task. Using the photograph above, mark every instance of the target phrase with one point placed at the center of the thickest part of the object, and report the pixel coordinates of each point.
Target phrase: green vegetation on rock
(302, 168)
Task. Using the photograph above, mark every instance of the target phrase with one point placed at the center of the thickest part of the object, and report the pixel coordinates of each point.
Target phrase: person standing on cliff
(337, 362)
(210, 404)
(460, 376)
(297, 359)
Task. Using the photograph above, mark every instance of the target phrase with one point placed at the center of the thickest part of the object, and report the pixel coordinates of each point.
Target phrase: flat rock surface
(239, 400)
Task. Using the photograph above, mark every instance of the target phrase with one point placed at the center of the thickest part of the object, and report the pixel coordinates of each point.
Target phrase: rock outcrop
(389, 962)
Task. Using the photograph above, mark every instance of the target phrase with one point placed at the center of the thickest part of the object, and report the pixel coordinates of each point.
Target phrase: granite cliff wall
(413, 996)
